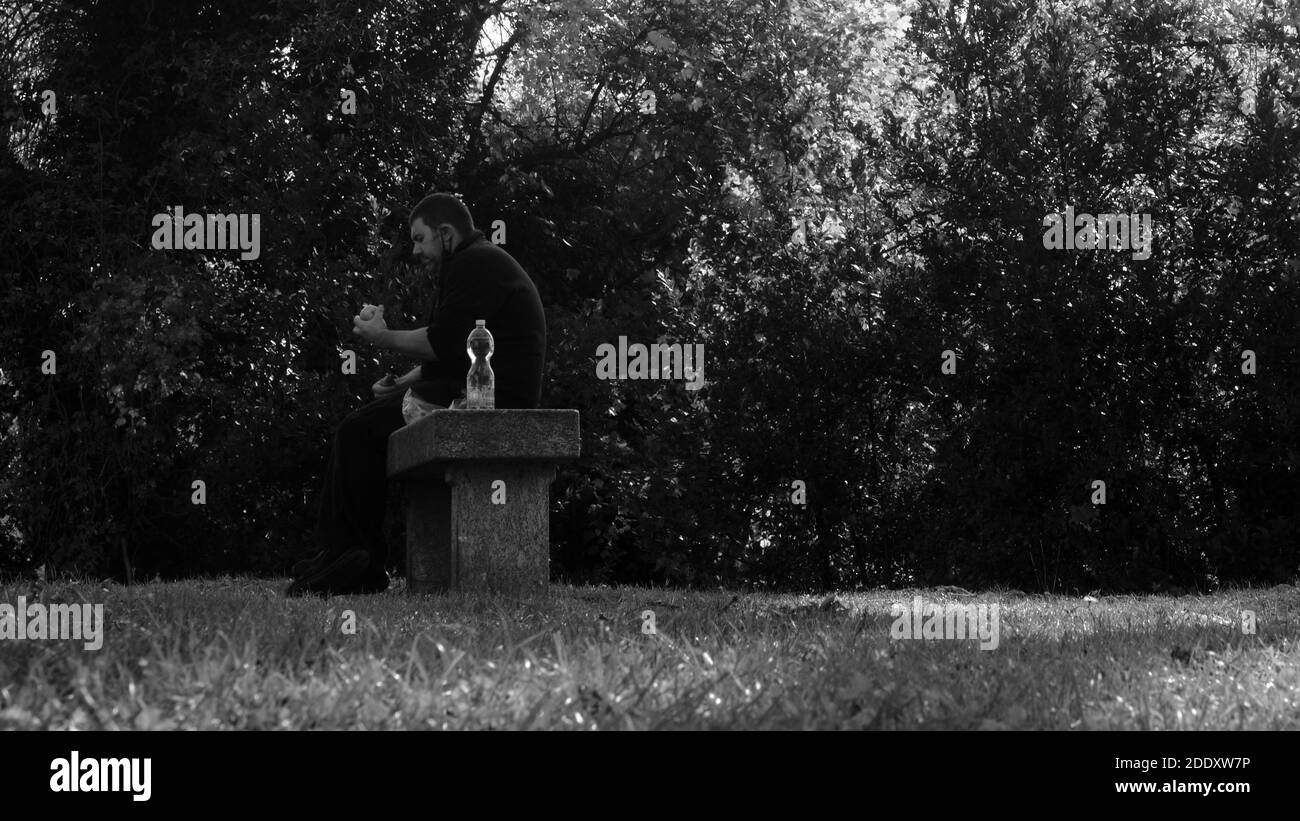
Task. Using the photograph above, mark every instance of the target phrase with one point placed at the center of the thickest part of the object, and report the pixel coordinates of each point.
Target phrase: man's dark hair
(439, 208)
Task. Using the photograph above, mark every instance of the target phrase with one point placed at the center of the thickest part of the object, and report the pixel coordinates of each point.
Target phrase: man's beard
(429, 264)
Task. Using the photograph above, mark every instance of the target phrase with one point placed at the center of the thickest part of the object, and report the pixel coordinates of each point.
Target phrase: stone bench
(478, 508)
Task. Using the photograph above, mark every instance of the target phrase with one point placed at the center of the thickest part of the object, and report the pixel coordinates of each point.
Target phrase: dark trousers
(355, 494)
(354, 497)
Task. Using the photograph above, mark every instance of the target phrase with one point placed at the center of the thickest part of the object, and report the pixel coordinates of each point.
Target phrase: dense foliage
(826, 194)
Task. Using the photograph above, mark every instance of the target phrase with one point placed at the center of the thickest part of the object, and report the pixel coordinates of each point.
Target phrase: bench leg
(500, 525)
(430, 565)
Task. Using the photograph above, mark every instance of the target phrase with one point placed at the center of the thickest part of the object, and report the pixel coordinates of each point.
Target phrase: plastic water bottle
(481, 383)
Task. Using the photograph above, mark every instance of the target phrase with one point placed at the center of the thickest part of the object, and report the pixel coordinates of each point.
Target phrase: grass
(235, 654)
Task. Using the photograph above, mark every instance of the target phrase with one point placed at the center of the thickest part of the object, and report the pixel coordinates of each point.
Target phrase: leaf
(661, 41)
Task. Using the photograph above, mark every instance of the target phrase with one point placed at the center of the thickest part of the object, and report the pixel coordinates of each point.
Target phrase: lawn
(235, 654)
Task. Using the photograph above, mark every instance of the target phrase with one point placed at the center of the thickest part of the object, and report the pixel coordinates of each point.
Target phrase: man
(478, 280)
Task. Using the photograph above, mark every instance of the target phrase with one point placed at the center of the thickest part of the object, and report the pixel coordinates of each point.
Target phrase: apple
(368, 312)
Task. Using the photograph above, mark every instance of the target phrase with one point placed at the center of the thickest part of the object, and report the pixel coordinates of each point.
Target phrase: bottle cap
(481, 322)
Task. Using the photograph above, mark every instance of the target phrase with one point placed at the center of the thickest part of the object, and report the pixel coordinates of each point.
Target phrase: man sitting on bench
(478, 280)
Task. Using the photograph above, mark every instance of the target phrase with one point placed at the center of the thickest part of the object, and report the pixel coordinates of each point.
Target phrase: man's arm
(409, 378)
(415, 343)
(376, 331)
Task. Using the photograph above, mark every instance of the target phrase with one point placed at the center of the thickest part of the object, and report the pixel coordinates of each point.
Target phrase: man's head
(438, 223)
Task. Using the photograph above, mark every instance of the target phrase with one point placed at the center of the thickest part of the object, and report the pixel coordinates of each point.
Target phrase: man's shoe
(375, 580)
(305, 566)
(349, 573)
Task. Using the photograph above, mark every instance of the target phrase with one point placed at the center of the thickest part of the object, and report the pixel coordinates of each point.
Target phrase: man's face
(427, 243)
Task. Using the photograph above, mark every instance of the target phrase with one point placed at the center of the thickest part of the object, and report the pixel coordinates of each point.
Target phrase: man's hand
(386, 387)
(371, 330)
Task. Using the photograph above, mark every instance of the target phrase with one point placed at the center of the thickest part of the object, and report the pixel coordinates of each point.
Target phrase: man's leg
(354, 494)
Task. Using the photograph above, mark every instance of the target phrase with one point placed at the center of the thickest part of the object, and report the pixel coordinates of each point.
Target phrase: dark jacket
(481, 281)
